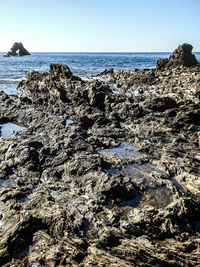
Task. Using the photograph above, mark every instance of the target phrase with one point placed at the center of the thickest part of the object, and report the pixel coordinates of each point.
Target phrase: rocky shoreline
(107, 171)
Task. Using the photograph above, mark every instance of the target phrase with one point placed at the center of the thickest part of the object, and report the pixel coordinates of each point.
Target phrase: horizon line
(105, 52)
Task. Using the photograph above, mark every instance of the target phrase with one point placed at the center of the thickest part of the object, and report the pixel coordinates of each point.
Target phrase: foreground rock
(17, 50)
(98, 178)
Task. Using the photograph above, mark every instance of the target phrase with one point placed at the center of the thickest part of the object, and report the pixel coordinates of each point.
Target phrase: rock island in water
(17, 50)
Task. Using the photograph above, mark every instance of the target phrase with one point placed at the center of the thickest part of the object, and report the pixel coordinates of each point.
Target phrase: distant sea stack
(181, 57)
(17, 50)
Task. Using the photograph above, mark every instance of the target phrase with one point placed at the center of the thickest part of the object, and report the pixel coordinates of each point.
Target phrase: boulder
(181, 57)
(17, 50)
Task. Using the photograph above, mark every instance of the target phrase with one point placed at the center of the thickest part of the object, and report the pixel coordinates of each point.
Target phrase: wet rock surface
(98, 178)
(17, 50)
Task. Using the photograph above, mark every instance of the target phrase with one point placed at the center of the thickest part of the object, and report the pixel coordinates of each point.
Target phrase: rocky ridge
(182, 56)
(100, 178)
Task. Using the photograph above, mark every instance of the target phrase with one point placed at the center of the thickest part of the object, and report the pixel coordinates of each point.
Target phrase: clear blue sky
(100, 25)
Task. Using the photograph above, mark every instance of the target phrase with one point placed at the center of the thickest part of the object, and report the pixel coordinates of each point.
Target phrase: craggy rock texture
(182, 56)
(106, 172)
(17, 50)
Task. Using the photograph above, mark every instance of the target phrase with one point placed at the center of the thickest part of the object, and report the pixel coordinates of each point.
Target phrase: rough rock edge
(17, 50)
(72, 216)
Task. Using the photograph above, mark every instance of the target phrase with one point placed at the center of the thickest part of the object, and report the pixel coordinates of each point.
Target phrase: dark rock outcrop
(181, 57)
(59, 86)
(162, 63)
(117, 186)
(17, 50)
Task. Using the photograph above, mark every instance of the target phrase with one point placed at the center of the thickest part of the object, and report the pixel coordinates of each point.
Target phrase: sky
(99, 25)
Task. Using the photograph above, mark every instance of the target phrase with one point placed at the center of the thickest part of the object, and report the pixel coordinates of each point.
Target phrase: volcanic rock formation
(101, 178)
(17, 50)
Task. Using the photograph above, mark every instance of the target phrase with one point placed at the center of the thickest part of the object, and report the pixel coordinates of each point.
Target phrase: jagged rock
(59, 71)
(60, 86)
(106, 72)
(17, 50)
(181, 57)
(162, 63)
(117, 186)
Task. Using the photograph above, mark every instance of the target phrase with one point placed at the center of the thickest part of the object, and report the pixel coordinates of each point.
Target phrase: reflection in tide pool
(7, 129)
(124, 151)
(68, 122)
(7, 183)
(142, 175)
(158, 197)
(114, 89)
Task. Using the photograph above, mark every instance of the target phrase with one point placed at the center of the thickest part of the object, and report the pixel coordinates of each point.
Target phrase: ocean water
(14, 69)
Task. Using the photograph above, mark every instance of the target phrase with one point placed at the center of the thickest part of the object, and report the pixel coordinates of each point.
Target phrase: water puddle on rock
(23, 254)
(1, 223)
(197, 226)
(197, 171)
(131, 203)
(158, 197)
(112, 171)
(22, 199)
(7, 183)
(124, 151)
(114, 89)
(8, 129)
(68, 122)
(89, 131)
(144, 177)
(141, 175)
(139, 170)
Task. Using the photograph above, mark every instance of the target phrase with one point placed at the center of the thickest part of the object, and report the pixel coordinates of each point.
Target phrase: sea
(14, 69)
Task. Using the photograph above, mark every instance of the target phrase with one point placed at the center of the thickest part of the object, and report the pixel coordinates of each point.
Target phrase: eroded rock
(17, 50)
(181, 57)
(118, 186)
